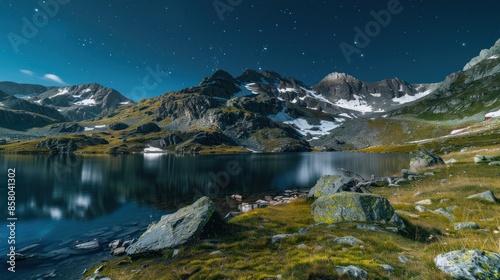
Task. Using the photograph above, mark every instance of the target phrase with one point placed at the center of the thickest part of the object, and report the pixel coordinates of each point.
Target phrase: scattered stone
(115, 244)
(118, 251)
(473, 264)
(175, 229)
(175, 253)
(444, 200)
(425, 159)
(237, 197)
(451, 208)
(353, 241)
(487, 196)
(408, 214)
(302, 246)
(445, 213)
(410, 175)
(444, 181)
(278, 237)
(352, 271)
(330, 184)
(483, 159)
(368, 227)
(349, 206)
(420, 208)
(451, 160)
(424, 202)
(403, 259)
(494, 163)
(417, 194)
(464, 226)
(389, 269)
(303, 231)
(218, 252)
(429, 174)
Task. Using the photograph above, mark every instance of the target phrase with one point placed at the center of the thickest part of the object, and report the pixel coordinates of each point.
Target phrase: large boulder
(118, 126)
(350, 206)
(175, 229)
(473, 264)
(486, 196)
(425, 159)
(148, 128)
(330, 184)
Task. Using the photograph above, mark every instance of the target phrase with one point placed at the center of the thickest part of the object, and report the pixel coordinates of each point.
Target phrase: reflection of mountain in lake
(63, 187)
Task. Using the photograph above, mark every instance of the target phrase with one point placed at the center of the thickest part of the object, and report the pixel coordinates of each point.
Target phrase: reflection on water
(74, 187)
(64, 199)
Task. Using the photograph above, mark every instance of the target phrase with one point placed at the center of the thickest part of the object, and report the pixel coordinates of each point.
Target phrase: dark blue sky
(145, 48)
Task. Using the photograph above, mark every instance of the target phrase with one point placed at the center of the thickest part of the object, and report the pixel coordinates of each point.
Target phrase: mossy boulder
(118, 126)
(330, 184)
(425, 159)
(350, 207)
(473, 264)
(175, 229)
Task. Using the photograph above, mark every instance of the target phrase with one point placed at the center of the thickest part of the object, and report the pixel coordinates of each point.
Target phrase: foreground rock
(352, 271)
(175, 229)
(425, 159)
(348, 207)
(330, 184)
(474, 264)
(486, 196)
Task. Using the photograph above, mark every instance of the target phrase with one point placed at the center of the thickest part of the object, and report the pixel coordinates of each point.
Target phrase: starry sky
(146, 48)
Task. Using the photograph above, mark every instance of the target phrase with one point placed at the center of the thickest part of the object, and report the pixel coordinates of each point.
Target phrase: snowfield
(493, 115)
(409, 98)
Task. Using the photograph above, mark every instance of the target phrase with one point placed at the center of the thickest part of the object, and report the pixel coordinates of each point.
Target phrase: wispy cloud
(47, 77)
(53, 78)
(27, 72)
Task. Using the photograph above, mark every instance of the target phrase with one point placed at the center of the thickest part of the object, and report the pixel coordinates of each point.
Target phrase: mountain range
(255, 111)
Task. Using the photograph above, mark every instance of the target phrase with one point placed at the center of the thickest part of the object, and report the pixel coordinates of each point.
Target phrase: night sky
(145, 48)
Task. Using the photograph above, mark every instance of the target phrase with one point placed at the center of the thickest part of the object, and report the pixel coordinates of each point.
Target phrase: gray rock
(451, 160)
(349, 207)
(483, 159)
(445, 213)
(444, 200)
(408, 214)
(429, 174)
(410, 174)
(303, 231)
(494, 163)
(473, 264)
(330, 184)
(175, 253)
(278, 237)
(352, 271)
(464, 226)
(118, 126)
(175, 229)
(350, 240)
(451, 208)
(420, 208)
(389, 269)
(302, 246)
(424, 202)
(368, 227)
(403, 259)
(88, 246)
(218, 252)
(425, 159)
(487, 196)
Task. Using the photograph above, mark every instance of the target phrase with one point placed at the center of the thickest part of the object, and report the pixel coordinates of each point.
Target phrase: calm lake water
(65, 200)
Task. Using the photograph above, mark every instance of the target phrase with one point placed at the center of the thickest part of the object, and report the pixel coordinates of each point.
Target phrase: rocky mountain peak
(338, 77)
(492, 53)
(219, 75)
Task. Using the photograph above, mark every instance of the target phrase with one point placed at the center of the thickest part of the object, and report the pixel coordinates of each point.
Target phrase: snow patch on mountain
(87, 102)
(358, 104)
(492, 115)
(245, 90)
(303, 127)
(376, 94)
(61, 91)
(409, 98)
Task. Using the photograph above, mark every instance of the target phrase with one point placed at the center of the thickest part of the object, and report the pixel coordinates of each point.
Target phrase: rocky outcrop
(147, 128)
(425, 159)
(350, 207)
(175, 229)
(70, 145)
(67, 128)
(220, 84)
(488, 196)
(484, 54)
(12, 88)
(330, 184)
(118, 126)
(191, 106)
(473, 264)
